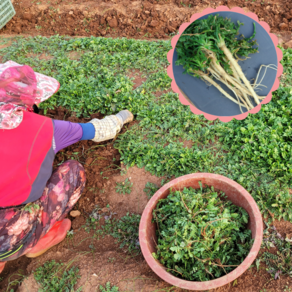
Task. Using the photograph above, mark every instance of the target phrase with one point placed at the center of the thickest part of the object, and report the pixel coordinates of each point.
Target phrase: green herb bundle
(209, 49)
(201, 235)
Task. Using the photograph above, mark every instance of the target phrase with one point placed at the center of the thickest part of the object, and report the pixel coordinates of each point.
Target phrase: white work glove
(110, 126)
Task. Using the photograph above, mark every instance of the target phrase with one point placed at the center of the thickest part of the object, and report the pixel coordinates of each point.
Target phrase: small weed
(123, 171)
(92, 221)
(108, 288)
(280, 263)
(93, 189)
(258, 261)
(126, 231)
(150, 189)
(92, 248)
(19, 277)
(124, 187)
(54, 277)
(70, 234)
(111, 260)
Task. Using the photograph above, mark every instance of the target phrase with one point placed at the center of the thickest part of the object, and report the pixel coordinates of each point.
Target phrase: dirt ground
(134, 19)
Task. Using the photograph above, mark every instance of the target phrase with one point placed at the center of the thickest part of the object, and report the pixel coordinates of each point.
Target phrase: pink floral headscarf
(20, 89)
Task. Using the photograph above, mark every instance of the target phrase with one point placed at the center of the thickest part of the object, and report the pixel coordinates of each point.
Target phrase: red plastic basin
(235, 192)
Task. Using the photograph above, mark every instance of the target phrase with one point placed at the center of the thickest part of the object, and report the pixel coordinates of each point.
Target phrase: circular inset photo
(225, 63)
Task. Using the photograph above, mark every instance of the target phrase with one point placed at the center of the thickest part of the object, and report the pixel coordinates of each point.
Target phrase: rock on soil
(29, 285)
(283, 26)
(75, 213)
(27, 16)
(113, 22)
(289, 44)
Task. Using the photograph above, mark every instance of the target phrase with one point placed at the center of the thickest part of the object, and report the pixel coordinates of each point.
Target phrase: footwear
(2, 265)
(56, 234)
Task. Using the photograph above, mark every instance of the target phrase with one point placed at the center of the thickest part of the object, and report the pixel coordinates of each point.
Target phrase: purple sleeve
(66, 134)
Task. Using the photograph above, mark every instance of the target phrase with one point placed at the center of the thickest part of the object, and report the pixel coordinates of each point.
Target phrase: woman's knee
(71, 166)
(68, 176)
(74, 165)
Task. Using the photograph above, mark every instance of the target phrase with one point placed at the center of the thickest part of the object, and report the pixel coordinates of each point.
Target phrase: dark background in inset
(207, 98)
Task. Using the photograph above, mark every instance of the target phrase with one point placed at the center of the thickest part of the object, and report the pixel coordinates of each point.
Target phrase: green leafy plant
(126, 231)
(201, 234)
(254, 152)
(281, 262)
(259, 147)
(15, 281)
(209, 49)
(150, 189)
(70, 233)
(53, 277)
(92, 222)
(108, 288)
(124, 187)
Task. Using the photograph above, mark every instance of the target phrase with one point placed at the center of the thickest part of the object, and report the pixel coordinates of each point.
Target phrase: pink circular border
(175, 88)
(145, 223)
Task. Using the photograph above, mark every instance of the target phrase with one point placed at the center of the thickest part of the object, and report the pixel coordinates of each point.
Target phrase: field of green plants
(255, 152)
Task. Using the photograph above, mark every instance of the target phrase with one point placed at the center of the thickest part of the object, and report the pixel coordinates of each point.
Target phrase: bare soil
(109, 264)
(134, 19)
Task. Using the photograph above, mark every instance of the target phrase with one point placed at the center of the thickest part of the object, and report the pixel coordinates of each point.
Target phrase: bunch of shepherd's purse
(209, 49)
(201, 235)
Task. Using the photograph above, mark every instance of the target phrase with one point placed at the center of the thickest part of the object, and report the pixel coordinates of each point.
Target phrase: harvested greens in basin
(201, 234)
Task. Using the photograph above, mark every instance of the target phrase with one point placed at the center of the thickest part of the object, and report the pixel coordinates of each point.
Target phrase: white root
(229, 56)
(230, 87)
(271, 66)
(212, 82)
(234, 83)
(218, 68)
(256, 85)
(235, 74)
(234, 90)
